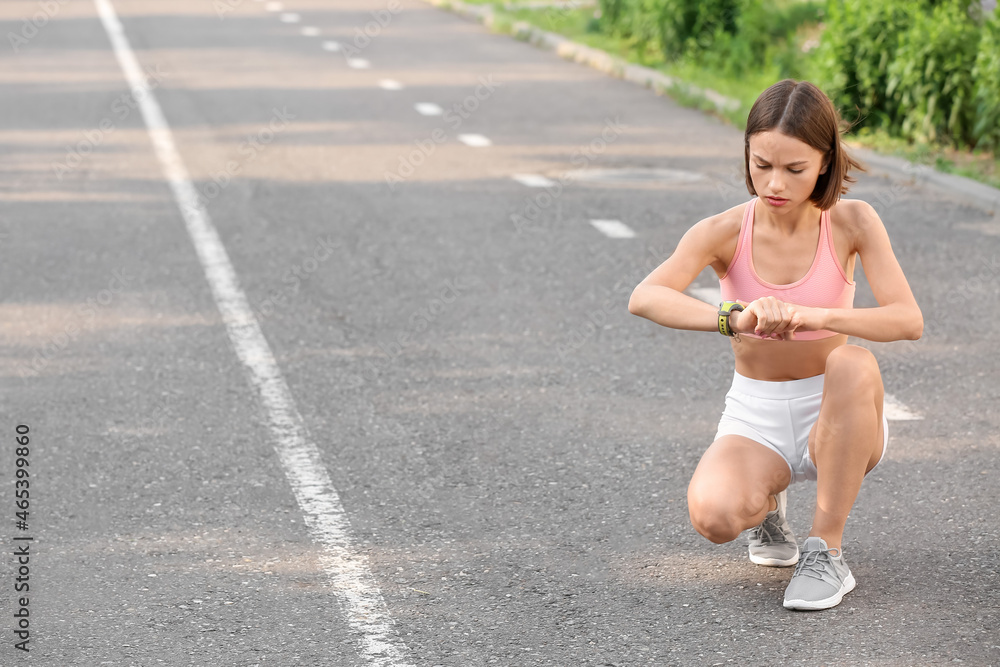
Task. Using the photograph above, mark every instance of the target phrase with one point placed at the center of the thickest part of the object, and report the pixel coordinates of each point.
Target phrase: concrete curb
(580, 53)
(982, 194)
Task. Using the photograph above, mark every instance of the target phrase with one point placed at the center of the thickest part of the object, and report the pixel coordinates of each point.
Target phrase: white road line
(428, 109)
(390, 84)
(891, 407)
(533, 180)
(331, 45)
(310, 31)
(344, 563)
(474, 140)
(274, 6)
(289, 17)
(615, 229)
(712, 295)
(896, 411)
(358, 63)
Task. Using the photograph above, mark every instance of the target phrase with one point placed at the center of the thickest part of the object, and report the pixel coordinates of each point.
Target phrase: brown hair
(801, 110)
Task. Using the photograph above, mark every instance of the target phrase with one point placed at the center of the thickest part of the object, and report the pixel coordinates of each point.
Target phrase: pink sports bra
(825, 285)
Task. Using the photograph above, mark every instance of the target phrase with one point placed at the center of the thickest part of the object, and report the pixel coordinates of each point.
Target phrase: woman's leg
(847, 439)
(732, 486)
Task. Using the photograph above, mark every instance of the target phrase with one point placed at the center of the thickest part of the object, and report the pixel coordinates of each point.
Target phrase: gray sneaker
(772, 542)
(821, 579)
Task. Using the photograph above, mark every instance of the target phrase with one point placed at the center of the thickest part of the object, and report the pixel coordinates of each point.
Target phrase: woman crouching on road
(804, 404)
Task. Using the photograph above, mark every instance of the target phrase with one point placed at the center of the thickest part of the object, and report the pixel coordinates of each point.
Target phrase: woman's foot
(821, 580)
(772, 543)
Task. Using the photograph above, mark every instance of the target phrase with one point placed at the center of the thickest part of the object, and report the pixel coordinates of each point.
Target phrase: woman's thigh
(852, 385)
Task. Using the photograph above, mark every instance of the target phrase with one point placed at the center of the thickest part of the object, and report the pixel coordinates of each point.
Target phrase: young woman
(804, 404)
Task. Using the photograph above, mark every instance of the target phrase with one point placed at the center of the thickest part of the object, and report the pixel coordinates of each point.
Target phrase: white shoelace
(769, 529)
(818, 565)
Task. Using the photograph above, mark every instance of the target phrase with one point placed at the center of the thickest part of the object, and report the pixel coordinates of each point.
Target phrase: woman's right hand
(767, 317)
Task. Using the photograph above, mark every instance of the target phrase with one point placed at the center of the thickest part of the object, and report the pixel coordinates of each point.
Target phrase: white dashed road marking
(474, 140)
(390, 84)
(310, 31)
(345, 564)
(290, 18)
(331, 45)
(358, 63)
(428, 109)
(614, 229)
(274, 6)
(533, 180)
(712, 295)
(896, 411)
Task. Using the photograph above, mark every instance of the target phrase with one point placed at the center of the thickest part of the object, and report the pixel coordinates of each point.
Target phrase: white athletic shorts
(779, 415)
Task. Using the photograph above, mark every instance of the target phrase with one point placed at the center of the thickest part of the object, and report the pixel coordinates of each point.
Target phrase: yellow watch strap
(725, 310)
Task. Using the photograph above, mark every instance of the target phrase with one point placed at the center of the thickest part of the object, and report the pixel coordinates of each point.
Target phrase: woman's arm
(660, 298)
(897, 316)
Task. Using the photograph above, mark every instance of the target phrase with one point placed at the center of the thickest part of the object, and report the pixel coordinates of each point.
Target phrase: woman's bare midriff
(779, 360)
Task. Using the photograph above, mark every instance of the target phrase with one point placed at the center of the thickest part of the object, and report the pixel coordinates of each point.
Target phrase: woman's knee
(713, 514)
(852, 368)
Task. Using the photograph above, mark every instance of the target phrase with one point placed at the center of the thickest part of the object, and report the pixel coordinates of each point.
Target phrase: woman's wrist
(734, 316)
(823, 315)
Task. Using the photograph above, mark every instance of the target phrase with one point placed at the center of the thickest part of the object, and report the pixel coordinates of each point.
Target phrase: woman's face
(783, 169)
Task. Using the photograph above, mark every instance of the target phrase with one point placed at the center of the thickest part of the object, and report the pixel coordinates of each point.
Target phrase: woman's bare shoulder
(724, 224)
(854, 213)
(715, 238)
(855, 217)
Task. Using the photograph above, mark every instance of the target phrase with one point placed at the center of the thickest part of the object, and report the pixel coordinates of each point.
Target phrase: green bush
(674, 26)
(986, 97)
(730, 36)
(858, 44)
(638, 22)
(922, 70)
(930, 82)
(691, 27)
(766, 35)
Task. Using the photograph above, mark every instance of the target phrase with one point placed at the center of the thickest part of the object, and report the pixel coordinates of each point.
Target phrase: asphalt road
(510, 446)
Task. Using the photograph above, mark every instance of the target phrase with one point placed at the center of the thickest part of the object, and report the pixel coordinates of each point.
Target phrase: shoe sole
(832, 601)
(775, 562)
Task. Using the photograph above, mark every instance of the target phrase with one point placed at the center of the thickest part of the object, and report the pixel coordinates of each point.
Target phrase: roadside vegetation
(915, 78)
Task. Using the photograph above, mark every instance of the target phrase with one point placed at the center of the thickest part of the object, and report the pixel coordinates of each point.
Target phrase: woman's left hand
(804, 318)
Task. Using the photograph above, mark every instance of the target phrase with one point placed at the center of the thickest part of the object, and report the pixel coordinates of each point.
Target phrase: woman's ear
(826, 164)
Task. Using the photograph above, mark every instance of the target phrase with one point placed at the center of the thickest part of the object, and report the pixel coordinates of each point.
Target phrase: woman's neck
(804, 216)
